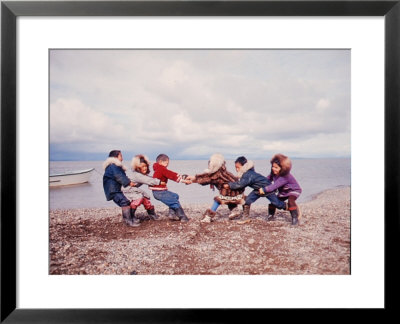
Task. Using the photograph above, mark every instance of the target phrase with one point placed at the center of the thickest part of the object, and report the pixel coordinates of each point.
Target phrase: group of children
(278, 187)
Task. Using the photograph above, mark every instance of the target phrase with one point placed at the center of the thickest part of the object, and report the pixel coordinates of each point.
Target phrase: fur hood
(284, 162)
(246, 167)
(216, 162)
(113, 160)
(136, 162)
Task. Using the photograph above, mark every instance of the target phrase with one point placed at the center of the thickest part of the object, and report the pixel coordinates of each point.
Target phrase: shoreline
(95, 241)
(309, 199)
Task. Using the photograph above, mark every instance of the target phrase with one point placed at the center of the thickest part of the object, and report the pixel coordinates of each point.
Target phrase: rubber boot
(152, 213)
(126, 215)
(172, 214)
(271, 213)
(182, 216)
(135, 222)
(208, 216)
(295, 216)
(246, 215)
(246, 211)
(235, 212)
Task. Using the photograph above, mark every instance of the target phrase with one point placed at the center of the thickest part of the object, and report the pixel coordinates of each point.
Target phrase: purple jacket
(286, 185)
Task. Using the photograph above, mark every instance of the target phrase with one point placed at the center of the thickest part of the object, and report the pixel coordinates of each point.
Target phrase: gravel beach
(96, 242)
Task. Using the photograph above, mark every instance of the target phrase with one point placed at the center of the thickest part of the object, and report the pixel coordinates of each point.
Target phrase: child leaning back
(114, 179)
(141, 168)
(161, 192)
(286, 184)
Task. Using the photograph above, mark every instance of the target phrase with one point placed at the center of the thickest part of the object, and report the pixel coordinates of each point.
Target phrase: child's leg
(294, 210)
(128, 214)
(169, 198)
(254, 195)
(276, 201)
(235, 212)
(150, 208)
(215, 206)
(272, 209)
(136, 203)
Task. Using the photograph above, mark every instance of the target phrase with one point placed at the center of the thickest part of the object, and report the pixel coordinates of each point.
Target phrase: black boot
(182, 216)
(152, 213)
(271, 213)
(295, 216)
(126, 215)
(135, 222)
(172, 214)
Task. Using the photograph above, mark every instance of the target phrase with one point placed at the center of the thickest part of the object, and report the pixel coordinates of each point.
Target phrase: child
(249, 177)
(217, 175)
(113, 179)
(161, 192)
(140, 167)
(286, 184)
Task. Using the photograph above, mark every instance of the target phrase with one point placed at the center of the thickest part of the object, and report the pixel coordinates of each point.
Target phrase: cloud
(195, 102)
(72, 121)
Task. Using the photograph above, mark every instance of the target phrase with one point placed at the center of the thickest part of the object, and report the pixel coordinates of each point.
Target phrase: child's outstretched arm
(145, 179)
(280, 182)
(240, 184)
(122, 178)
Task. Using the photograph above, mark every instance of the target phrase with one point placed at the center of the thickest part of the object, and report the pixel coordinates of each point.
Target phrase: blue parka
(114, 177)
(248, 177)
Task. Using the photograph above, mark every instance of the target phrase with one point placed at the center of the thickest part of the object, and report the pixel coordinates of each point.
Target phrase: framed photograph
(223, 46)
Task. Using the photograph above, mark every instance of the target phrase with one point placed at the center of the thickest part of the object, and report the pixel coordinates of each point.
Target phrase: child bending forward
(161, 192)
(140, 167)
(286, 184)
(217, 175)
(248, 177)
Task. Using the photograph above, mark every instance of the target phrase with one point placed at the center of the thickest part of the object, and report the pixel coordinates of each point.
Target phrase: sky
(190, 104)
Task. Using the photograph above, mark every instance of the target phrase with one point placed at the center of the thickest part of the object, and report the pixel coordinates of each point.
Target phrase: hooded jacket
(217, 175)
(163, 174)
(135, 193)
(284, 182)
(248, 177)
(114, 177)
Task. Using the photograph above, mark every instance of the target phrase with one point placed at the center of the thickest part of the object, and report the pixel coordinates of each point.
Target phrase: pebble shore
(96, 242)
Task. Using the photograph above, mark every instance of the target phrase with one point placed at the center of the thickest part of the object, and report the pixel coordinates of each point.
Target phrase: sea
(313, 175)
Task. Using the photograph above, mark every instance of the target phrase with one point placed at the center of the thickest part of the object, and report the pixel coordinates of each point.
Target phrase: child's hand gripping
(261, 191)
(186, 179)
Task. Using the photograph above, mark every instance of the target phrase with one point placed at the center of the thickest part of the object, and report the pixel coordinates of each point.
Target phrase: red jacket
(162, 173)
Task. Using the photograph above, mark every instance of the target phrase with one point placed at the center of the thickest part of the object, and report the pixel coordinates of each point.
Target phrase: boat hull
(71, 178)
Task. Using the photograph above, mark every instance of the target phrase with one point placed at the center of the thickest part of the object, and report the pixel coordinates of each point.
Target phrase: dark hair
(143, 160)
(162, 157)
(114, 153)
(278, 162)
(241, 160)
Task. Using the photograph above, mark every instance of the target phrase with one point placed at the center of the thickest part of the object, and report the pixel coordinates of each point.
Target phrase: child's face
(275, 168)
(119, 157)
(164, 163)
(238, 166)
(143, 168)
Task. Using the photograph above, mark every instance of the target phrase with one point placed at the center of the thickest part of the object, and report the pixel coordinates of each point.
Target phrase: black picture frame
(10, 10)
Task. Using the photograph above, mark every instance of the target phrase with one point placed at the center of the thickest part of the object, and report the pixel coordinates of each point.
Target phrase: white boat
(70, 178)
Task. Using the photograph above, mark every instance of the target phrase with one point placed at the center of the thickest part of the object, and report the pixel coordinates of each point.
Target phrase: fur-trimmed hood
(246, 167)
(284, 162)
(216, 161)
(113, 160)
(136, 162)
